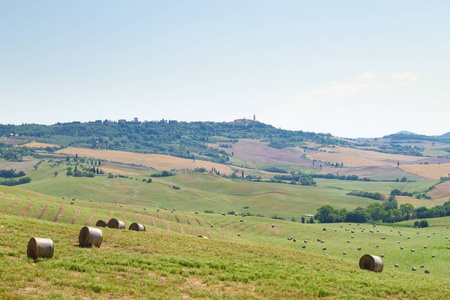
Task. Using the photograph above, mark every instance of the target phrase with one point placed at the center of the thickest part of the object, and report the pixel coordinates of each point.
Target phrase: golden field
(352, 157)
(157, 161)
(434, 171)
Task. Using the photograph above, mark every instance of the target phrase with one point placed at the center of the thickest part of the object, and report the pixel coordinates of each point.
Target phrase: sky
(349, 68)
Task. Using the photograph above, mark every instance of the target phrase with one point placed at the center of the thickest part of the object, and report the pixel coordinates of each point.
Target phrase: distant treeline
(8, 152)
(181, 139)
(12, 182)
(386, 212)
(11, 173)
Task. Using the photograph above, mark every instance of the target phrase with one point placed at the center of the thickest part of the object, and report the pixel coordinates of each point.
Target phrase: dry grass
(38, 145)
(435, 171)
(358, 158)
(441, 191)
(156, 161)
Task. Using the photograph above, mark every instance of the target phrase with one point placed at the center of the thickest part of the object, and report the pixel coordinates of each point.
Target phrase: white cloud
(365, 82)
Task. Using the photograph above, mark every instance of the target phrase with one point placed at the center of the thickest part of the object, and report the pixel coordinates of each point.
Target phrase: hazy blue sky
(350, 68)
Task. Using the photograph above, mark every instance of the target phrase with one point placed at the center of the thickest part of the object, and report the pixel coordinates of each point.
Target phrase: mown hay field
(352, 157)
(39, 145)
(156, 161)
(435, 171)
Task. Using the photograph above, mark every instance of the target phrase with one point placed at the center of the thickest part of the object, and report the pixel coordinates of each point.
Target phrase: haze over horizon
(363, 69)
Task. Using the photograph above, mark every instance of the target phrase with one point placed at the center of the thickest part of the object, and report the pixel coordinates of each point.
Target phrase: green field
(252, 257)
(198, 192)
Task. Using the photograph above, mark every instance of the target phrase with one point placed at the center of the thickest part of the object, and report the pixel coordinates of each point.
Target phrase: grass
(159, 266)
(198, 192)
(375, 186)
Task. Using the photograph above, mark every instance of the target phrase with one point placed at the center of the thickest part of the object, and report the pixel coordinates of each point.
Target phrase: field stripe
(168, 224)
(181, 225)
(153, 223)
(157, 214)
(124, 218)
(91, 218)
(111, 214)
(58, 215)
(23, 212)
(190, 225)
(207, 232)
(11, 206)
(75, 216)
(138, 217)
(43, 210)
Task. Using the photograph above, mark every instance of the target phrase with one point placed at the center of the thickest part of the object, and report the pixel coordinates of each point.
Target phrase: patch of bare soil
(370, 171)
(11, 206)
(13, 142)
(190, 226)
(58, 215)
(256, 151)
(441, 190)
(200, 224)
(91, 218)
(43, 210)
(23, 212)
(75, 216)
(27, 165)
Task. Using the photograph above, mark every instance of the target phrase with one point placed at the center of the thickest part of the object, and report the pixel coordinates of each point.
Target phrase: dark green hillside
(175, 138)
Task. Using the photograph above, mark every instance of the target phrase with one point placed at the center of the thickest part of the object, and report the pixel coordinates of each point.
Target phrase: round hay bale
(101, 223)
(114, 223)
(382, 255)
(324, 229)
(137, 227)
(90, 236)
(38, 247)
(345, 253)
(427, 272)
(303, 246)
(396, 265)
(371, 263)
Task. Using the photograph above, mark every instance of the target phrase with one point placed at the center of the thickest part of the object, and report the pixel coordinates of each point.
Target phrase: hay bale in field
(371, 263)
(90, 236)
(38, 247)
(324, 229)
(396, 265)
(427, 272)
(382, 255)
(303, 246)
(137, 227)
(114, 223)
(101, 223)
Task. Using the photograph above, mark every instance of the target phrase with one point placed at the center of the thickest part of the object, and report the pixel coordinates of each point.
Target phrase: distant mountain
(445, 135)
(406, 132)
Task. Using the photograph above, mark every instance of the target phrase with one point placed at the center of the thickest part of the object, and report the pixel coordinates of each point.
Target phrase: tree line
(387, 212)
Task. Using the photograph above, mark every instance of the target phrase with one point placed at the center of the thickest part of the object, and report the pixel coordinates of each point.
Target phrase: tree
(423, 223)
(407, 210)
(56, 174)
